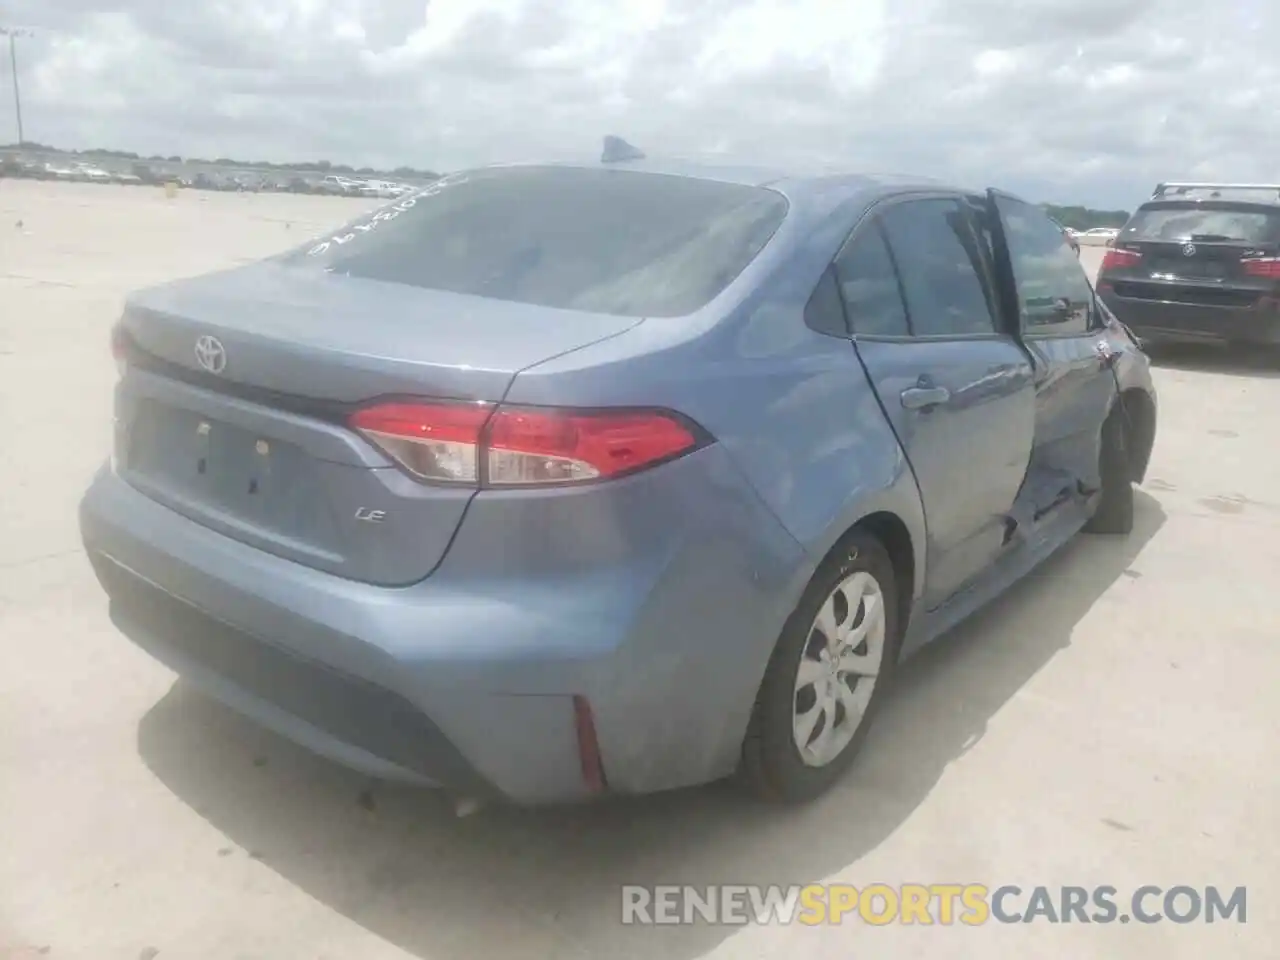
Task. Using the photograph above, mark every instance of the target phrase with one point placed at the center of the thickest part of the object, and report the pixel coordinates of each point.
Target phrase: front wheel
(826, 676)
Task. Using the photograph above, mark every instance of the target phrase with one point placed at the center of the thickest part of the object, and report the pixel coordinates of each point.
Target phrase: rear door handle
(919, 398)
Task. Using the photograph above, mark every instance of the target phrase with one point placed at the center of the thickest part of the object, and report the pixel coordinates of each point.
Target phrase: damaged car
(538, 506)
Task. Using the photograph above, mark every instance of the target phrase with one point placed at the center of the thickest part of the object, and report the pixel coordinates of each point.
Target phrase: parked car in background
(340, 185)
(1070, 236)
(331, 186)
(1199, 262)
(16, 167)
(146, 173)
(382, 189)
(671, 504)
(1097, 236)
(220, 179)
(90, 173)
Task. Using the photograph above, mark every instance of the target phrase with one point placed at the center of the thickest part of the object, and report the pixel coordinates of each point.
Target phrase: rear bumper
(467, 680)
(1163, 320)
(369, 728)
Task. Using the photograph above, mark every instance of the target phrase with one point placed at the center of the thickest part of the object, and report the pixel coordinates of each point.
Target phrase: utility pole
(13, 33)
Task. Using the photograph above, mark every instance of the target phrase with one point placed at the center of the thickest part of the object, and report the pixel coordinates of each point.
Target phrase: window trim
(869, 223)
(1003, 286)
(1032, 334)
(991, 282)
(871, 219)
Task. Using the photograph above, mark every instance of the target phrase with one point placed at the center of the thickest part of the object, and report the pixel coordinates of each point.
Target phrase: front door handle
(920, 398)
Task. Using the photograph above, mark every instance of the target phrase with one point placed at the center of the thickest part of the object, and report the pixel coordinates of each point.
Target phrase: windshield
(1204, 221)
(606, 241)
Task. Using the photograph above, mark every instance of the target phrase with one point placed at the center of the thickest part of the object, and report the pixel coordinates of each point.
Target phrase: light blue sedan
(550, 482)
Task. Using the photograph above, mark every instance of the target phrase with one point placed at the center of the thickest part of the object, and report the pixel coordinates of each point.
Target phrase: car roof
(832, 182)
(1236, 198)
(1255, 194)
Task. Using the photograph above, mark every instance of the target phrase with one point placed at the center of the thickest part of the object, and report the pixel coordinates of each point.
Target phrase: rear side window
(825, 311)
(938, 259)
(607, 241)
(1054, 295)
(1204, 221)
(869, 285)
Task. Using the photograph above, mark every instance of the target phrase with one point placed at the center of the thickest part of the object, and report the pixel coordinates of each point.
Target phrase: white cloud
(1062, 99)
(995, 63)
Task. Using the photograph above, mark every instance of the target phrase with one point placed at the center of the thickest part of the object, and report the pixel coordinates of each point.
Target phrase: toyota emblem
(1189, 250)
(210, 354)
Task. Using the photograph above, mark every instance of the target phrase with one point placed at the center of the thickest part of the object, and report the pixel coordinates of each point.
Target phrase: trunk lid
(1197, 259)
(255, 446)
(343, 339)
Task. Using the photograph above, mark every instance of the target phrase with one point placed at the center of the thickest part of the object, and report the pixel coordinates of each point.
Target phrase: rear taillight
(478, 444)
(1268, 268)
(1116, 259)
(433, 441)
(564, 446)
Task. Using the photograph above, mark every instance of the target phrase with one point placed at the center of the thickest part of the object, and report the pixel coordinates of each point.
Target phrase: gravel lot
(1106, 723)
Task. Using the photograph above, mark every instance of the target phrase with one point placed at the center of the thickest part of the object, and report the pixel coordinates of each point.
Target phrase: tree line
(1084, 218)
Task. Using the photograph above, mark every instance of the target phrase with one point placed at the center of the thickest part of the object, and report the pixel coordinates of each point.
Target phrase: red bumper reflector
(588, 746)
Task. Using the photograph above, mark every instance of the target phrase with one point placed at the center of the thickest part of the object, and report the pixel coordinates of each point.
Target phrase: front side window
(1054, 295)
(606, 241)
(939, 261)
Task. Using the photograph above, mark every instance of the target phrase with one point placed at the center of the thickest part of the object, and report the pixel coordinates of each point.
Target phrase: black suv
(1199, 261)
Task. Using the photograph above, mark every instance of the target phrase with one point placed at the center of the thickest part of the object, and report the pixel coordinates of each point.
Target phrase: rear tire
(1114, 515)
(775, 766)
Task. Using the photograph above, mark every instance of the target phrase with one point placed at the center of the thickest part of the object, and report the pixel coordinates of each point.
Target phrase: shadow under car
(538, 883)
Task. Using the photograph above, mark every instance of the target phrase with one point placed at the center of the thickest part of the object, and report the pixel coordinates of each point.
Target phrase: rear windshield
(608, 241)
(1204, 221)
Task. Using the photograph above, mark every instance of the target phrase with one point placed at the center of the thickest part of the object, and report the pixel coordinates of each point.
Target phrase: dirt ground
(1106, 723)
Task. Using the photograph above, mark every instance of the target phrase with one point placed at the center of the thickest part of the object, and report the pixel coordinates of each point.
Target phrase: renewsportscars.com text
(925, 904)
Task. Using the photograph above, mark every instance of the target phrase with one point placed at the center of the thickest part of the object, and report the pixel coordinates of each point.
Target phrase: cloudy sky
(1064, 100)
